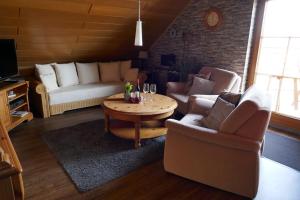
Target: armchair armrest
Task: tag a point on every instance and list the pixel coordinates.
(176, 87)
(201, 105)
(212, 136)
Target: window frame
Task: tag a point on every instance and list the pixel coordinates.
(278, 120)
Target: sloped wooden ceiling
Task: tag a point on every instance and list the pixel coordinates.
(81, 30)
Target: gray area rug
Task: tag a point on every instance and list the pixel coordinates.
(92, 157)
(282, 149)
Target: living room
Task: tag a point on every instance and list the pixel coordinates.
(148, 99)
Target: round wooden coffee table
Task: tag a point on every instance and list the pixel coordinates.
(137, 121)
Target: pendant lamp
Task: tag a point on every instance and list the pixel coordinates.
(138, 31)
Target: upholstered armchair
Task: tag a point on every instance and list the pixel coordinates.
(228, 158)
(224, 81)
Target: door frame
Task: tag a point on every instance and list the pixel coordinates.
(277, 119)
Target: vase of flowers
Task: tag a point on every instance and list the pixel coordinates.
(127, 90)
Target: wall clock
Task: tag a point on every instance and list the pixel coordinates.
(213, 18)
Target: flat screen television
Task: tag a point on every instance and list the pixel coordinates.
(8, 58)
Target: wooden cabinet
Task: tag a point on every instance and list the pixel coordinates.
(11, 181)
(18, 102)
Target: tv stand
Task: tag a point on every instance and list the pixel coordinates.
(18, 102)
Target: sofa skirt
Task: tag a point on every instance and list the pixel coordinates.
(61, 108)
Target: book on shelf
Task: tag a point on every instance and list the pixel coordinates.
(11, 96)
(19, 113)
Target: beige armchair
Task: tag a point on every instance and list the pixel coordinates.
(224, 81)
(227, 158)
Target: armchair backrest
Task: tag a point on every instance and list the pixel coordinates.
(224, 80)
(251, 117)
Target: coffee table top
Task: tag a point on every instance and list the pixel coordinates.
(151, 105)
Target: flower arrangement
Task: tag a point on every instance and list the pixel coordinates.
(127, 90)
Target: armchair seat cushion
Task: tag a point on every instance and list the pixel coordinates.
(84, 92)
(182, 101)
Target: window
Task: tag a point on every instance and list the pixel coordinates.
(278, 60)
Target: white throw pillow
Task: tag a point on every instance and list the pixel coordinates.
(218, 114)
(110, 72)
(87, 73)
(124, 66)
(131, 75)
(201, 86)
(47, 75)
(66, 74)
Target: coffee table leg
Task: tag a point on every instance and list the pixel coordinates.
(137, 139)
(106, 121)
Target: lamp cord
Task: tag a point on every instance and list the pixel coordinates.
(139, 10)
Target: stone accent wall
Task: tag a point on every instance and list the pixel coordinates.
(225, 47)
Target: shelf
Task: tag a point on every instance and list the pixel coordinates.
(16, 97)
(15, 121)
(6, 104)
(16, 108)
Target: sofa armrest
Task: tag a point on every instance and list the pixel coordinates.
(212, 136)
(175, 87)
(200, 105)
(40, 97)
(37, 87)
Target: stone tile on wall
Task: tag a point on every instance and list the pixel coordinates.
(225, 47)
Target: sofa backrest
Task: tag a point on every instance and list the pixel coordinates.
(224, 80)
(251, 117)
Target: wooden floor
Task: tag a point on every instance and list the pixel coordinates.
(45, 179)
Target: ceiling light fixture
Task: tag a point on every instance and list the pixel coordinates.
(138, 31)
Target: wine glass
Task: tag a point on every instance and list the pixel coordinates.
(153, 88)
(146, 88)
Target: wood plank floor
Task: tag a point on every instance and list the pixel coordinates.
(44, 178)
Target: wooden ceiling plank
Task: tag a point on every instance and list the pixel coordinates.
(64, 6)
(6, 11)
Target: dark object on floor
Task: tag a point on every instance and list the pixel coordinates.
(92, 157)
(282, 149)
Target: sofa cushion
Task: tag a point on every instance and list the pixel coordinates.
(182, 101)
(193, 119)
(233, 98)
(87, 73)
(224, 79)
(248, 118)
(124, 66)
(201, 86)
(219, 112)
(191, 77)
(47, 75)
(131, 75)
(66, 74)
(84, 92)
(110, 72)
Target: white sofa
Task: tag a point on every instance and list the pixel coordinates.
(59, 88)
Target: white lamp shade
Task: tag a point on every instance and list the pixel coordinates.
(138, 34)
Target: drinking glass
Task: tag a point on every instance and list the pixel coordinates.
(146, 88)
(153, 88)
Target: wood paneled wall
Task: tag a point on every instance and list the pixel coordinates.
(81, 30)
